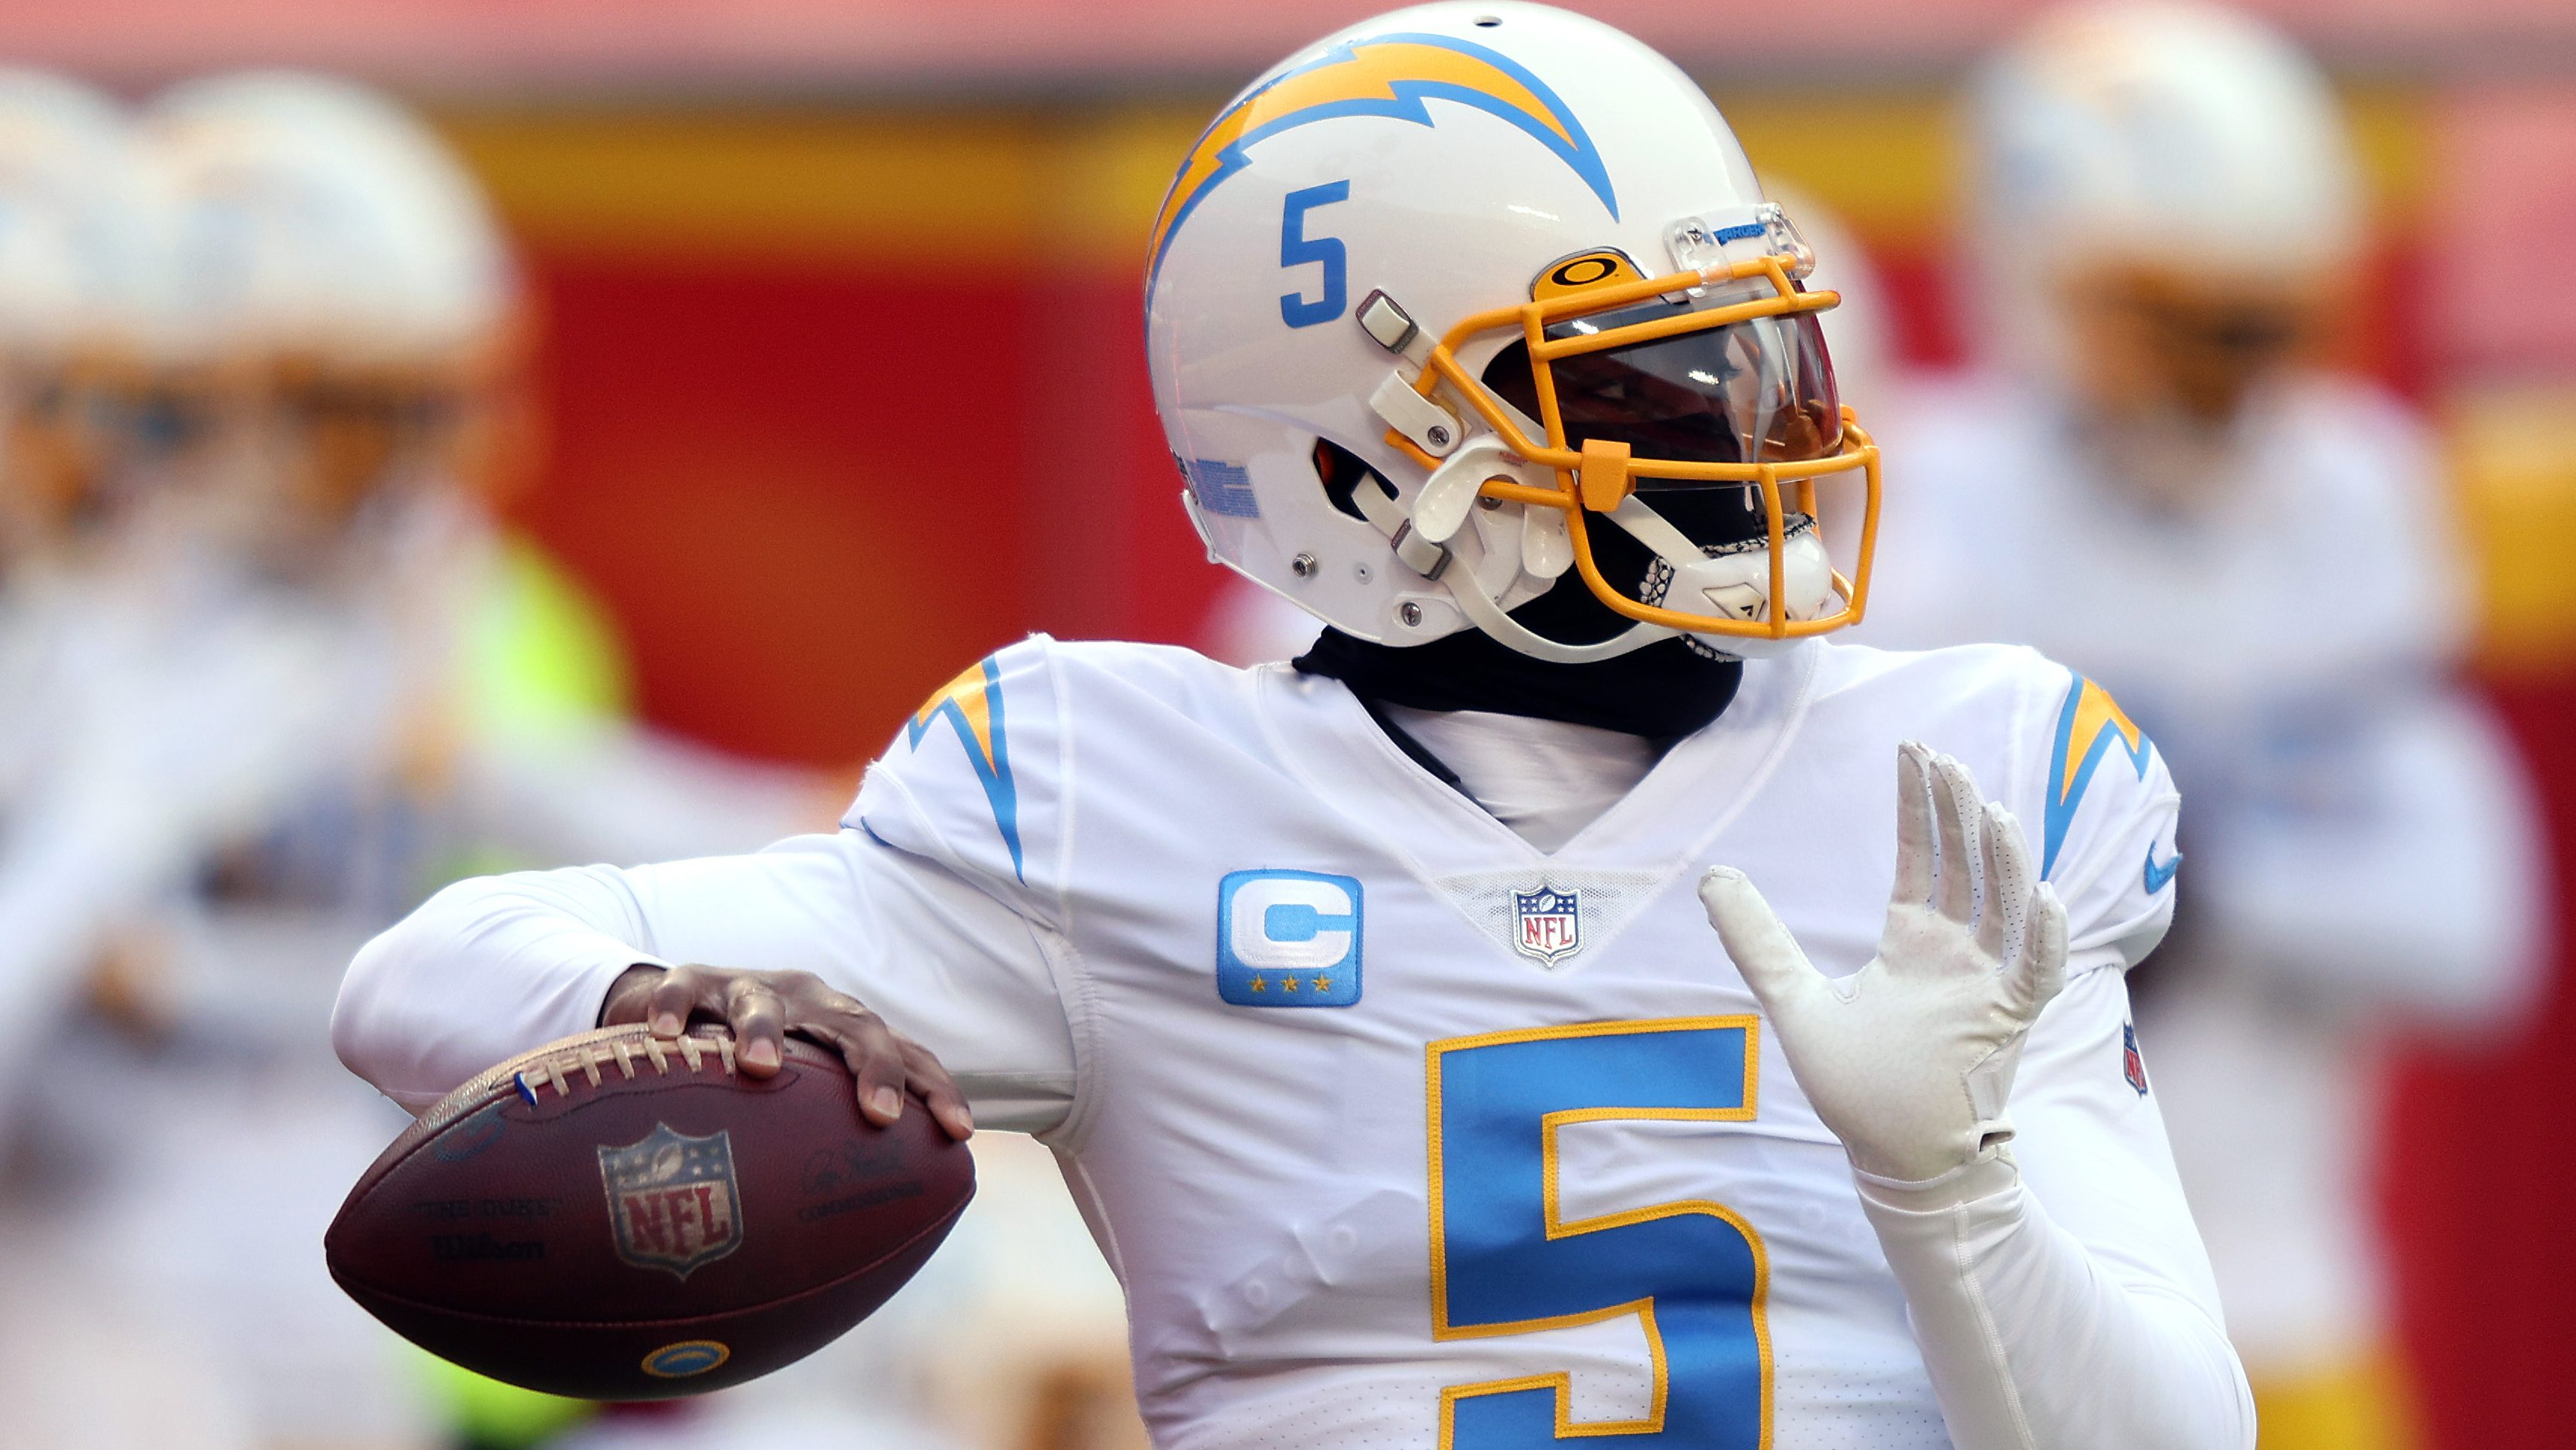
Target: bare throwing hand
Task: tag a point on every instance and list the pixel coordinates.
(763, 1007)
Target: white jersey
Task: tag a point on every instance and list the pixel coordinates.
(2362, 850)
(1396, 1129)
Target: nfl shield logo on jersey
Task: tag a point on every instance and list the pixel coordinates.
(2132, 1065)
(672, 1200)
(1547, 924)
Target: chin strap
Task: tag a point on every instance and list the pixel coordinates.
(1384, 514)
(1378, 504)
(1431, 561)
(1649, 528)
(1656, 532)
(1488, 616)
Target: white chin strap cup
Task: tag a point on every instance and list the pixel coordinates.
(1735, 583)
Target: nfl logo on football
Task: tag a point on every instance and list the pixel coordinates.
(672, 1199)
(1547, 924)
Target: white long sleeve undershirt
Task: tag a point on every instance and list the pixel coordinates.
(2043, 1322)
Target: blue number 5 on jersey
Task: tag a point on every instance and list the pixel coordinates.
(1504, 1260)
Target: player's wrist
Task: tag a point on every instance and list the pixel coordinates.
(1924, 1147)
(1991, 1173)
(627, 989)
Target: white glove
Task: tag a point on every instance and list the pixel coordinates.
(1910, 1060)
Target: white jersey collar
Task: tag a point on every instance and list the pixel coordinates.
(1328, 741)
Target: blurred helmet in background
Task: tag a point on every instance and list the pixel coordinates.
(2165, 209)
(75, 305)
(351, 310)
(1471, 304)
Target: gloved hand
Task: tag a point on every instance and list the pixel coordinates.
(1910, 1060)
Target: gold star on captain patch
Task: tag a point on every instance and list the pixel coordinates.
(1323, 984)
(1261, 984)
(1287, 984)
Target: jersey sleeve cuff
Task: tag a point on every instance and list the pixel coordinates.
(610, 973)
(1967, 1183)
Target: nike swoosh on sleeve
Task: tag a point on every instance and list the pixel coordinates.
(2158, 876)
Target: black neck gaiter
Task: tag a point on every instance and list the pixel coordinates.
(1662, 691)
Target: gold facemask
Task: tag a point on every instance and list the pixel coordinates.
(1725, 363)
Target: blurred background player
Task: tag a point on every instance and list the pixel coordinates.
(2157, 476)
(71, 323)
(336, 686)
(74, 315)
(77, 314)
(353, 686)
(363, 411)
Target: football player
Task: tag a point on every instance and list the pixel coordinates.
(75, 320)
(75, 299)
(352, 687)
(2154, 475)
(73, 323)
(84, 582)
(1371, 1004)
(364, 409)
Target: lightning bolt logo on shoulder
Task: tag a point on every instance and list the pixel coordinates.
(2089, 726)
(972, 703)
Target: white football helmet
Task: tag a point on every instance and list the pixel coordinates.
(68, 258)
(76, 305)
(317, 216)
(351, 306)
(1442, 294)
(2181, 196)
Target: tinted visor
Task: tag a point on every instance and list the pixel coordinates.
(1757, 391)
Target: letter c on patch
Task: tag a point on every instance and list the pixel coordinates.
(1288, 939)
(1295, 920)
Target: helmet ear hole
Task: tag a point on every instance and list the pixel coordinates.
(1340, 471)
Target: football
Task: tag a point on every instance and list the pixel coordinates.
(616, 1216)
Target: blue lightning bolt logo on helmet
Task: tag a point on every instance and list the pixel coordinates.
(1389, 76)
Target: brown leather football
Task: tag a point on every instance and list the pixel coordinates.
(622, 1217)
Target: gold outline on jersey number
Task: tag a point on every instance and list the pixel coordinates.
(1562, 1381)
